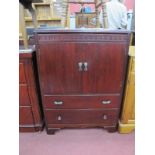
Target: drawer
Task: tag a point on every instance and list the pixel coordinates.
(24, 99)
(22, 77)
(73, 102)
(81, 116)
(25, 116)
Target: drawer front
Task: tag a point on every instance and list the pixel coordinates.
(24, 99)
(73, 102)
(25, 116)
(81, 116)
(22, 77)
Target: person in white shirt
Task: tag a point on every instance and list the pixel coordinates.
(116, 15)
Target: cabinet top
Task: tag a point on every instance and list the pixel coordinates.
(81, 30)
(31, 48)
(26, 53)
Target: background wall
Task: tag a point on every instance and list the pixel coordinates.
(129, 4)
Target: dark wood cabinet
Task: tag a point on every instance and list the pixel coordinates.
(30, 115)
(81, 76)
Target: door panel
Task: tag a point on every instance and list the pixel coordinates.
(60, 74)
(59, 68)
(105, 68)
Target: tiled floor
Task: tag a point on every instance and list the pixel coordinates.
(77, 142)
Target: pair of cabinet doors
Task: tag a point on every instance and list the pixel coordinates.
(81, 68)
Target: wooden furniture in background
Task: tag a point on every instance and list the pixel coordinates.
(97, 4)
(48, 13)
(22, 28)
(87, 20)
(30, 117)
(127, 121)
(43, 10)
(64, 13)
(105, 18)
(45, 16)
(81, 76)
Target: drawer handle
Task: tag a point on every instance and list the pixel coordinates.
(58, 102)
(59, 118)
(80, 64)
(85, 66)
(106, 102)
(105, 117)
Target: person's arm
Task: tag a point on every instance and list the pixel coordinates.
(124, 18)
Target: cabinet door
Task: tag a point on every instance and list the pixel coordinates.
(105, 70)
(59, 70)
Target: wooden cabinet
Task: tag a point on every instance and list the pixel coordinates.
(81, 77)
(30, 116)
(87, 20)
(127, 121)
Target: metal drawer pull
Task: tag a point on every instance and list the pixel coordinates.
(85, 66)
(58, 102)
(80, 66)
(59, 118)
(106, 102)
(105, 117)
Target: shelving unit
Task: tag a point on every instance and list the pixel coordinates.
(45, 15)
(43, 10)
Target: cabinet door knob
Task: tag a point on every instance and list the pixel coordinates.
(106, 102)
(59, 118)
(105, 117)
(80, 64)
(58, 102)
(85, 66)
